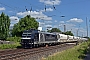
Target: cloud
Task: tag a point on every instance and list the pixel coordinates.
(81, 31)
(62, 22)
(10, 11)
(35, 14)
(48, 26)
(47, 9)
(55, 20)
(41, 23)
(14, 20)
(69, 26)
(51, 2)
(75, 20)
(48, 22)
(2, 8)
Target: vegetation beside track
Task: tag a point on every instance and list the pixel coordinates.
(15, 39)
(76, 53)
(9, 46)
(14, 45)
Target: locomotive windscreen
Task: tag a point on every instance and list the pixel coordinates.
(27, 33)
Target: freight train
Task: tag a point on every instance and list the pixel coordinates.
(34, 38)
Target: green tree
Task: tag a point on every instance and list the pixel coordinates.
(4, 26)
(54, 30)
(24, 24)
(68, 33)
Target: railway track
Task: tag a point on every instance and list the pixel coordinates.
(20, 54)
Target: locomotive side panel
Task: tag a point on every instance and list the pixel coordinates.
(50, 37)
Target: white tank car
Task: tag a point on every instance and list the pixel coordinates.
(84, 39)
(63, 38)
(70, 37)
(78, 38)
(75, 38)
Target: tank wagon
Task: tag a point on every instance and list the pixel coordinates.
(33, 38)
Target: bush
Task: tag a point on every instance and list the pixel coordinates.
(15, 39)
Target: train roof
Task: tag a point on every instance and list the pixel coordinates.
(48, 33)
(31, 30)
(37, 31)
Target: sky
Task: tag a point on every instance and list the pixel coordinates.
(51, 13)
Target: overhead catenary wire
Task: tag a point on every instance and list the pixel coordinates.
(45, 8)
(75, 2)
(54, 6)
(31, 6)
(26, 8)
(41, 8)
(9, 6)
(14, 8)
(31, 9)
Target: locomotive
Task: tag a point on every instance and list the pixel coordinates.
(33, 38)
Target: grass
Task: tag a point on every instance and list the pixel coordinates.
(76, 53)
